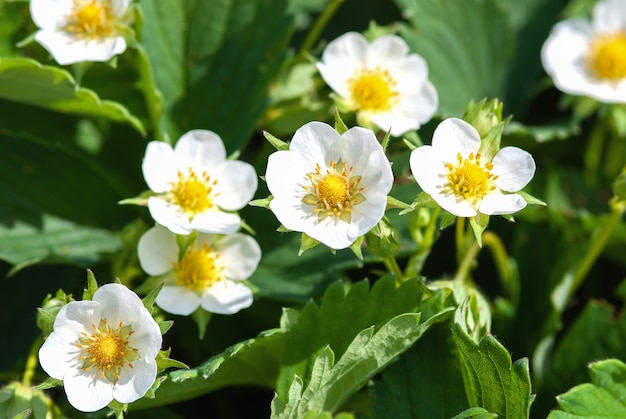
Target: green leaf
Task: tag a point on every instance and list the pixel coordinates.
(449, 32)
(56, 241)
(331, 384)
(27, 81)
(417, 385)
(209, 57)
(604, 397)
(491, 380)
(475, 413)
(343, 314)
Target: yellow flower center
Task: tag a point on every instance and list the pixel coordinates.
(192, 193)
(607, 58)
(470, 180)
(334, 192)
(107, 350)
(91, 19)
(373, 90)
(199, 268)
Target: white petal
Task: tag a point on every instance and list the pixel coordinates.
(293, 213)
(240, 255)
(118, 303)
(169, 215)
(158, 167)
(157, 250)
(78, 316)
(394, 122)
(285, 173)
(59, 354)
(453, 136)
(358, 145)
(119, 7)
(237, 183)
(514, 168)
(68, 50)
(364, 217)
(227, 297)
(385, 50)
(410, 73)
(609, 16)
(216, 222)
(454, 205)
(427, 169)
(199, 149)
(318, 143)
(134, 383)
(178, 300)
(332, 232)
(497, 204)
(340, 60)
(50, 14)
(87, 392)
(376, 178)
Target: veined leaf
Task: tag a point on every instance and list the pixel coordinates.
(603, 398)
(491, 380)
(27, 81)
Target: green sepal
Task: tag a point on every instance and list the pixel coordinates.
(385, 141)
(282, 229)
(48, 384)
(263, 202)
(340, 126)
(423, 200)
(396, 203)
(307, 242)
(479, 224)
(412, 140)
(164, 361)
(277, 143)
(531, 200)
(165, 325)
(92, 286)
(381, 240)
(202, 319)
(508, 217)
(141, 199)
(357, 248)
(24, 415)
(446, 220)
(247, 228)
(183, 242)
(484, 116)
(148, 300)
(118, 408)
(150, 394)
(49, 309)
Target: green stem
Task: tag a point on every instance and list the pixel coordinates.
(466, 264)
(31, 363)
(317, 28)
(459, 236)
(596, 247)
(394, 268)
(501, 259)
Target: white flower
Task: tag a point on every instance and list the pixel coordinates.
(381, 80)
(196, 187)
(461, 181)
(80, 30)
(588, 57)
(103, 349)
(331, 187)
(209, 275)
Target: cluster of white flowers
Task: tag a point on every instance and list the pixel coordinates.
(197, 189)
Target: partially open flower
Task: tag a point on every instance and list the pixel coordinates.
(80, 30)
(196, 187)
(588, 57)
(331, 187)
(104, 349)
(464, 183)
(209, 274)
(380, 80)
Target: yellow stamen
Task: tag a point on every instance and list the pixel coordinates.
(373, 90)
(91, 19)
(193, 193)
(199, 268)
(469, 179)
(607, 58)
